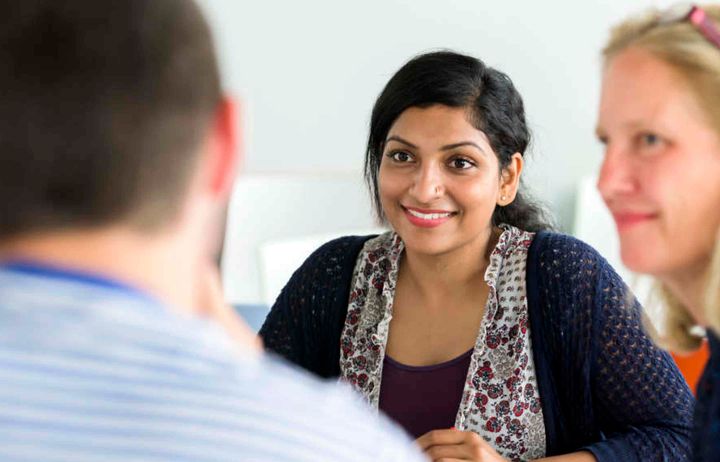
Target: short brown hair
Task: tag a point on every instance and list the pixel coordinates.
(103, 106)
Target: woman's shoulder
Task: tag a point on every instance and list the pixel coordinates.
(351, 246)
(338, 253)
(556, 258)
(551, 246)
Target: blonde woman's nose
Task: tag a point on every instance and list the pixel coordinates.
(616, 175)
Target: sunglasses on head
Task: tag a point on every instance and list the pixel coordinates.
(696, 16)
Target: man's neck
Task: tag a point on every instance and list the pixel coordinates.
(154, 263)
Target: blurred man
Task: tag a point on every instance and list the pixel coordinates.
(118, 151)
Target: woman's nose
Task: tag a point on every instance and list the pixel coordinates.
(616, 175)
(427, 185)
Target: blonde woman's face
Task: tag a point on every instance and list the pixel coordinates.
(660, 175)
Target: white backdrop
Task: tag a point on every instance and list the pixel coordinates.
(308, 73)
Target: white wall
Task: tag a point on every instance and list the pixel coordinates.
(308, 73)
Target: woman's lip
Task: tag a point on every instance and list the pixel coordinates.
(426, 211)
(626, 220)
(425, 221)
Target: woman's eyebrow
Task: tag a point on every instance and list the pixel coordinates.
(460, 144)
(444, 148)
(400, 140)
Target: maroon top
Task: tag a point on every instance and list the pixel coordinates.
(423, 398)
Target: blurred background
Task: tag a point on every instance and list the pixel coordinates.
(307, 74)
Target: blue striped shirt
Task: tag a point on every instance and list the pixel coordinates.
(93, 370)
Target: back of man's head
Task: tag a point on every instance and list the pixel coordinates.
(103, 108)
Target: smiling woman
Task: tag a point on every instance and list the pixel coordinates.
(485, 335)
(659, 120)
(428, 182)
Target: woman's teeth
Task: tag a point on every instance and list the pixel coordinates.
(429, 216)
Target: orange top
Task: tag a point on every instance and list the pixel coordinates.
(692, 365)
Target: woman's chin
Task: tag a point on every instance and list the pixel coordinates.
(428, 245)
(642, 260)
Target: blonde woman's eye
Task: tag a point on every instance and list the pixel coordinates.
(461, 164)
(650, 139)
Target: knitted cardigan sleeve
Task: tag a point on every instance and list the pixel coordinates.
(618, 395)
(706, 435)
(306, 320)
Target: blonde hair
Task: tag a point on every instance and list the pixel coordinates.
(683, 47)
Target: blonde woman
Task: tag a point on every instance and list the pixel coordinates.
(660, 122)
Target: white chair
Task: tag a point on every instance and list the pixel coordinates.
(274, 210)
(279, 259)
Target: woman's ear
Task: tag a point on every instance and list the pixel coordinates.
(510, 180)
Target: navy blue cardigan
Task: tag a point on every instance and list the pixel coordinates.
(604, 386)
(706, 437)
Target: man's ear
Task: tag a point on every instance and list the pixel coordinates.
(225, 149)
(510, 180)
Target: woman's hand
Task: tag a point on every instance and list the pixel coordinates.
(454, 445)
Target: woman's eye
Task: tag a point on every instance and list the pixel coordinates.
(401, 156)
(461, 164)
(650, 139)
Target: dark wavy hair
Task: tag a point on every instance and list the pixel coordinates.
(495, 107)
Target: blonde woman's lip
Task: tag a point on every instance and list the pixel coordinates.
(627, 220)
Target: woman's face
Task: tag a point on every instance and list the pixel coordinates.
(439, 180)
(660, 177)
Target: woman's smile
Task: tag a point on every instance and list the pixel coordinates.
(427, 218)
